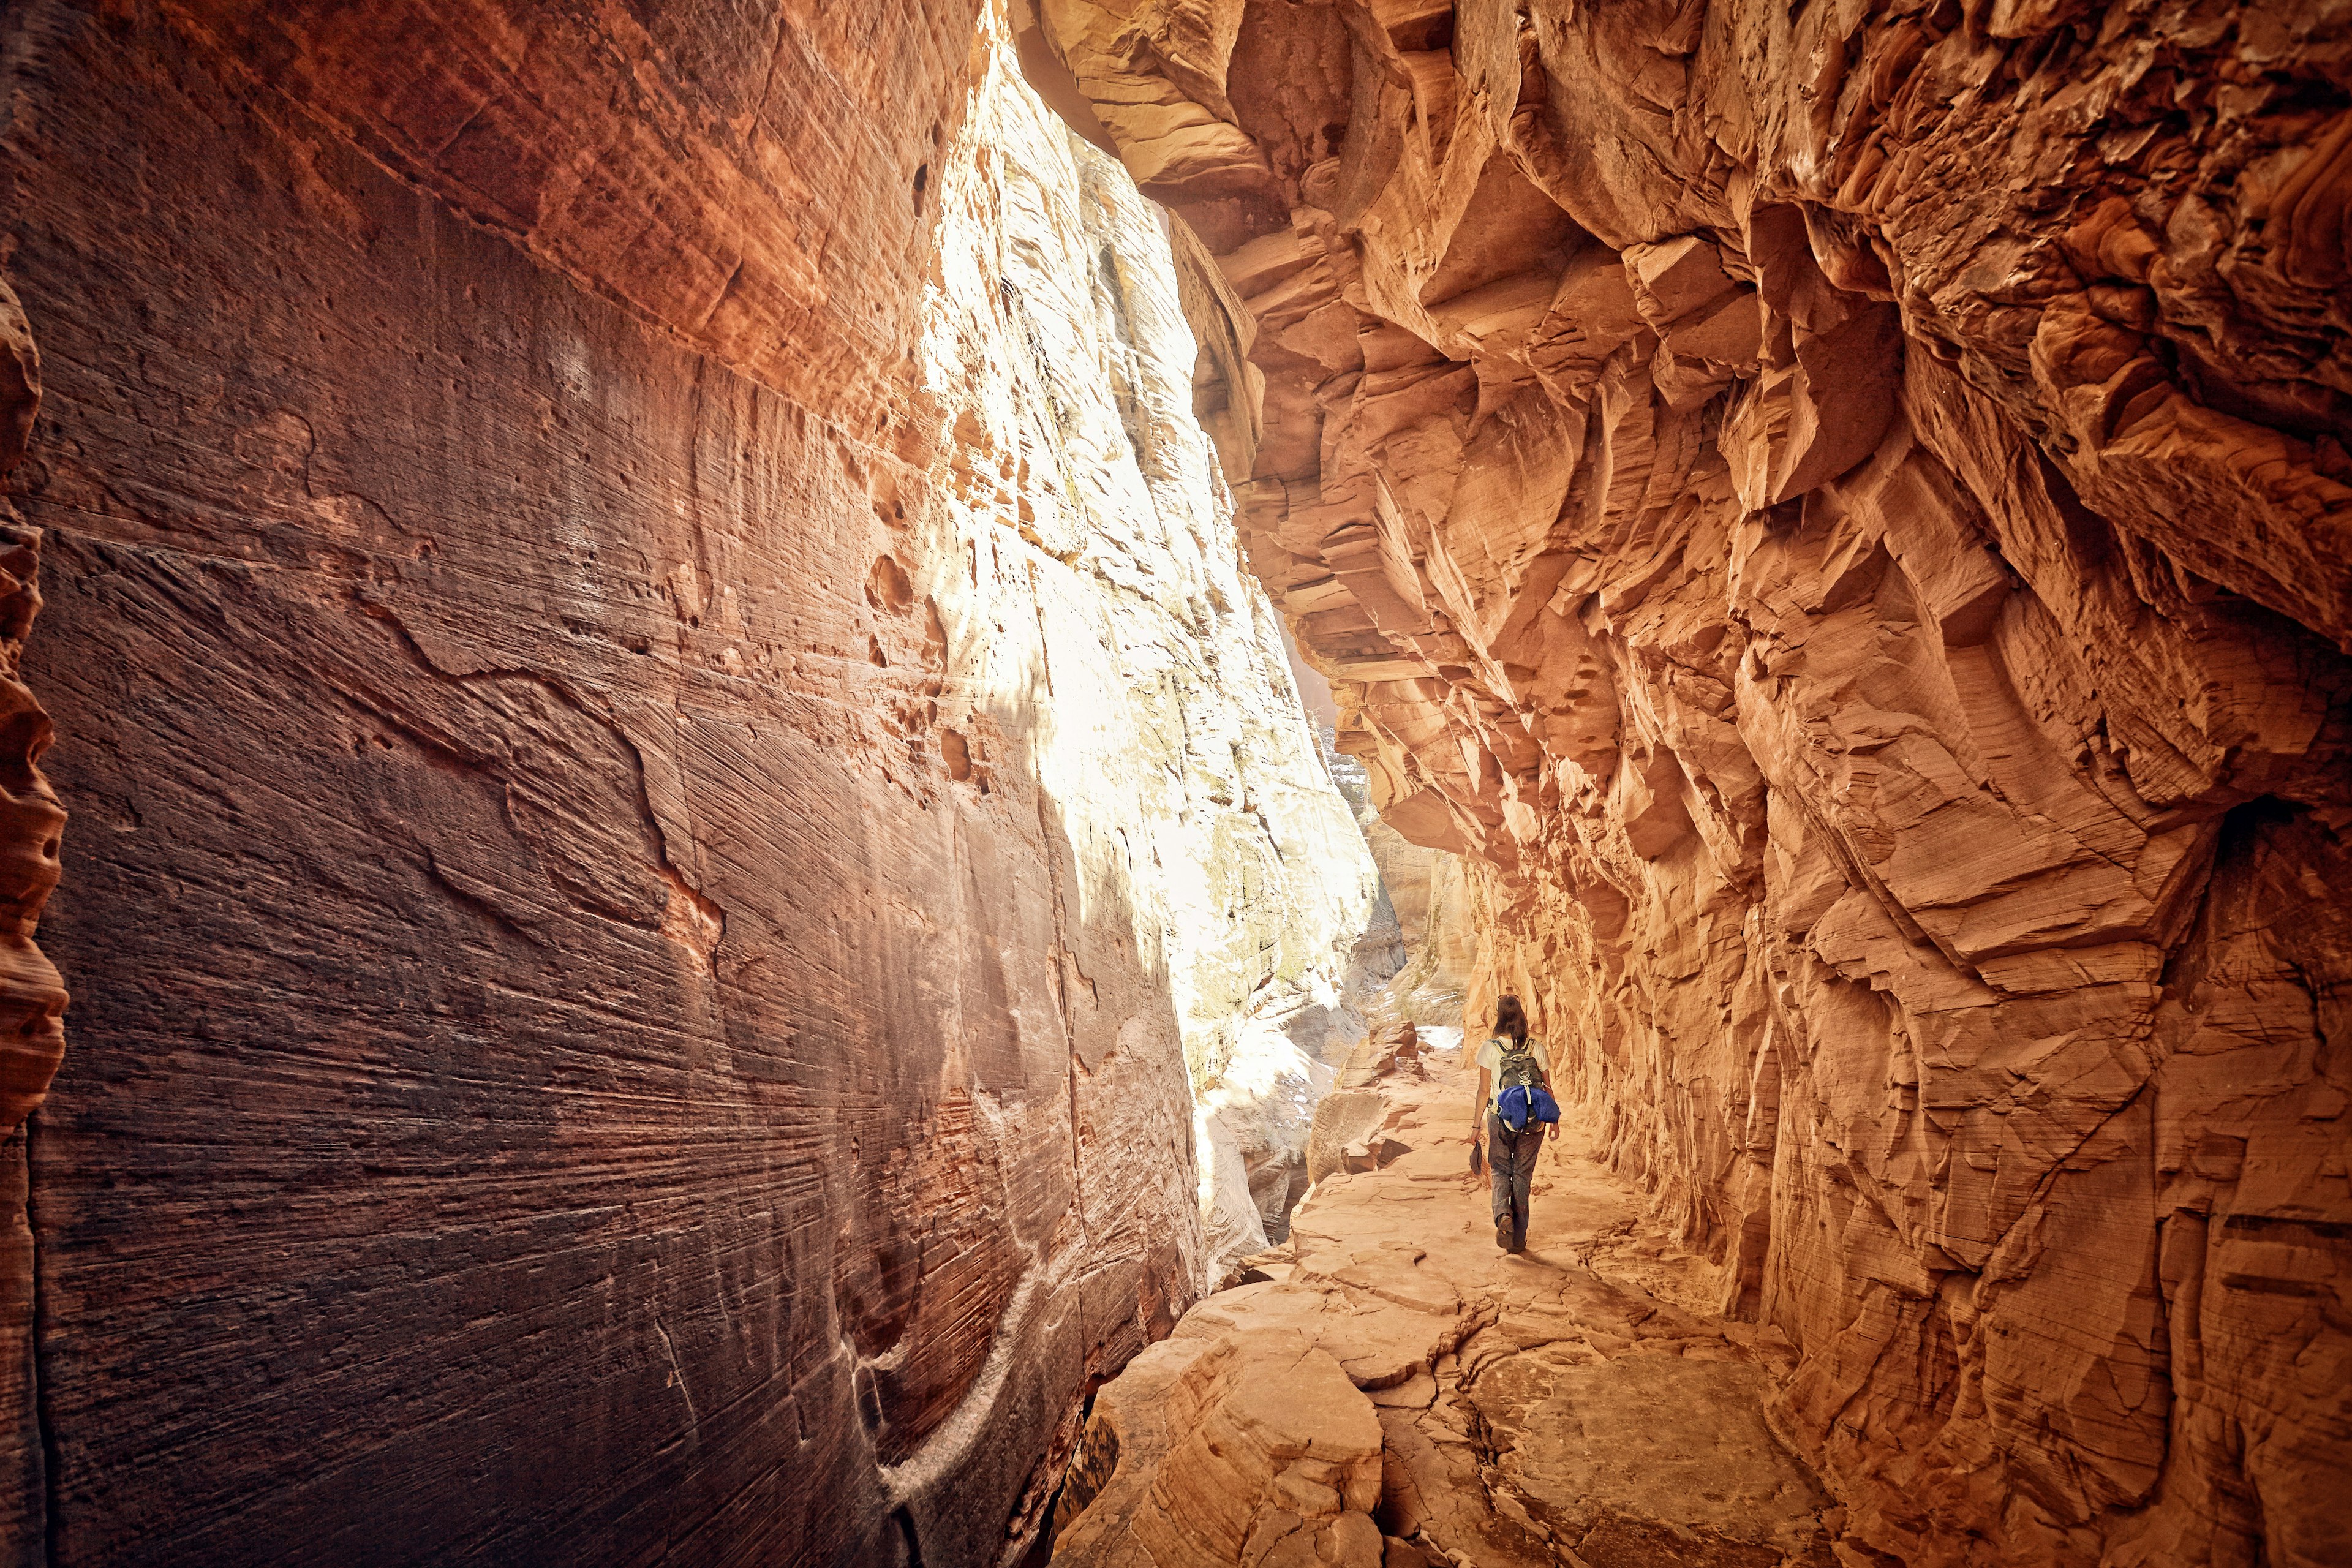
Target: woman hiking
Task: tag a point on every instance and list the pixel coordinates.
(1509, 1059)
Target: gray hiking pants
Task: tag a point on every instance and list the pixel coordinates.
(1511, 1161)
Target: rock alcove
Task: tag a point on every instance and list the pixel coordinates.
(701, 914)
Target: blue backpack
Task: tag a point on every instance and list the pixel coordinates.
(1523, 1094)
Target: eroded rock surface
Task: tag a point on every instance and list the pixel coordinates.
(32, 994)
(1559, 1407)
(1843, 512)
(1433, 894)
(1252, 1447)
(672, 754)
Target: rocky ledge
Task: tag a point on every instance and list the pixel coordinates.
(1398, 1392)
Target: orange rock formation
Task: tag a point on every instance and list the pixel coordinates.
(1844, 511)
(625, 1008)
(1571, 1405)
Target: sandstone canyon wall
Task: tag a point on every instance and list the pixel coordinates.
(1435, 895)
(1842, 509)
(670, 761)
(1058, 322)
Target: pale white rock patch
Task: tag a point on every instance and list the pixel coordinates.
(1096, 612)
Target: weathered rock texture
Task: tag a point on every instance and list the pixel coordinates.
(1433, 896)
(32, 996)
(1235, 1448)
(1560, 1407)
(670, 749)
(1172, 710)
(1842, 510)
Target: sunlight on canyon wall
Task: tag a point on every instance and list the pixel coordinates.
(1164, 716)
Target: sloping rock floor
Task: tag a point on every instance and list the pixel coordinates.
(1395, 1391)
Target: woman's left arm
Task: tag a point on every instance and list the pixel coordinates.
(1552, 1128)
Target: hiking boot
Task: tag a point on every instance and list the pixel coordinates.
(1503, 1234)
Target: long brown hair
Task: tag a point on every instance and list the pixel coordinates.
(1511, 1019)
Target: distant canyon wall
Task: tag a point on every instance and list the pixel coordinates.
(674, 776)
(1843, 511)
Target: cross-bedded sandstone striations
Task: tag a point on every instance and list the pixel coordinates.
(673, 748)
(1844, 511)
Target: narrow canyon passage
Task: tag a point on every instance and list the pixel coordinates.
(758, 758)
(1395, 1390)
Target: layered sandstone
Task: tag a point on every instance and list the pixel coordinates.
(1431, 893)
(1843, 511)
(1572, 1404)
(1238, 1448)
(672, 759)
(1168, 713)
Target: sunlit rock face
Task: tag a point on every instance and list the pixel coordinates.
(1842, 512)
(1169, 721)
(671, 762)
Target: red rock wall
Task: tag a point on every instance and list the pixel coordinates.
(32, 994)
(1843, 509)
(568, 1062)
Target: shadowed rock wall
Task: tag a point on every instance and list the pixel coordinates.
(634, 712)
(1842, 510)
